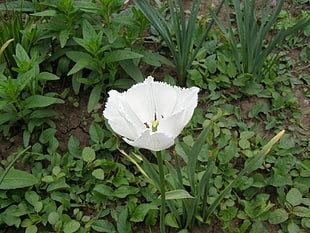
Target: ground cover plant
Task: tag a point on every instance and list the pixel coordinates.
(241, 164)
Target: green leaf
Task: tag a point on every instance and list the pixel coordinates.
(211, 63)
(293, 228)
(125, 190)
(171, 221)
(123, 226)
(5, 117)
(301, 211)
(104, 190)
(258, 108)
(251, 88)
(47, 76)
(278, 216)
(46, 13)
(58, 185)
(77, 55)
(178, 194)
(103, 226)
(88, 154)
(63, 37)
(17, 179)
(228, 214)
(31, 229)
(43, 113)
(96, 133)
(47, 135)
(71, 226)
(119, 55)
(132, 70)
(34, 199)
(294, 197)
(81, 64)
(53, 218)
(98, 174)
(38, 101)
(94, 98)
(141, 211)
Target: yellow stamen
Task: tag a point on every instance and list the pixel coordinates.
(155, 124)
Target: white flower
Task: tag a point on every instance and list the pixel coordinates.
(151, 114)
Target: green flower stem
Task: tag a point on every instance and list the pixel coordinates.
(162, 190)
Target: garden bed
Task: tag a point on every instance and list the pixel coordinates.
(81, 180)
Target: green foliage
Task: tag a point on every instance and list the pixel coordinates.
(98, 45)
(21, 99)
(252, 52)
(15, 30)
(178, 33)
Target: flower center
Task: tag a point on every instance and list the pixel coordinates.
(155, 124)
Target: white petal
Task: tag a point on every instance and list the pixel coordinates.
(138, 98)
(172, 125)
(154, 141)
(119, 119)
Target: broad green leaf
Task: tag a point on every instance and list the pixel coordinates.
(81, 64)
(228, 214)
(294, 197)
(258, 108)
(98, 174)
(278, 216)
(58, 185)
(34, 199)
(94, 98)
(141, 211)
(63, 37)
(31, 229)
(46, 13)
(38, 101)
(119, 55)
(104, 190)
(47, 135)
(21, 56)
(77, 55)
(96, 133)
(132, 70)
(211, 63)
(301, 211)
(125, 190)
(88, 154)
(71, 226)
(42, 113)
(123, 226)
(103, 226)
(171, 221)
(5, 117)
(47, 76)
(251, 88)
(293, 228)
(18, 179)
(53, 218)
(177, 194)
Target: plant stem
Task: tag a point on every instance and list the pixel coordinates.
(162, 190)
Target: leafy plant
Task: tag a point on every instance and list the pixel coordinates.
(178, 33)
(252, 47)
(22, 98)
(14, 30)
(186, 207)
